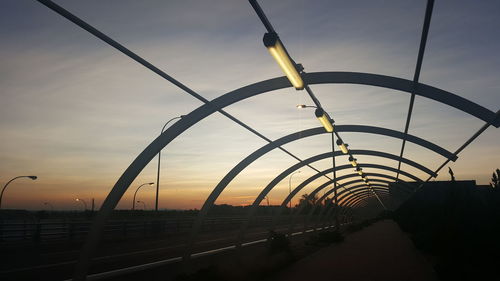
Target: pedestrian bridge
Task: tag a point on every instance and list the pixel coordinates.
(356, 189)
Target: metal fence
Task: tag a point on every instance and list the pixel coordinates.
(12, 231)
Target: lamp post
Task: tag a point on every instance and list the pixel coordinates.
(290, 186)
(135, 193)
(50, 205)
(143, 204)
(159, 159)
(5, 186)
(83, 201)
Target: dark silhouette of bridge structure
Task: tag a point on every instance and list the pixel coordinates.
(350, 191)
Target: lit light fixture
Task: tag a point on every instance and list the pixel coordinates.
(353, 161)
(325, 120)
(305, 106)
(273, 44)
(359, 170)
(343, 146)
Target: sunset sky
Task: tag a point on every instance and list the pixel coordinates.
(75, 112)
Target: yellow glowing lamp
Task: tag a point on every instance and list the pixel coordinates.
(353, 161)
(273, 44)
(359, 170)
(324, 119)
(342, 146)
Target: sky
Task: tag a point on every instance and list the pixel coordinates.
(76, 112)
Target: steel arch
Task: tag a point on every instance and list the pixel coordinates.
(312, 178)
(355, 152)
(360, 189)
(358, 198)
(268, 188)
(351, 190)
(203, 111)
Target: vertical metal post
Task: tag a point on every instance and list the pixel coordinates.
(335, 183)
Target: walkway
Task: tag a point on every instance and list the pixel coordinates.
(379, 252)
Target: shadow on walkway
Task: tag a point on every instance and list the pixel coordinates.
(379, 252)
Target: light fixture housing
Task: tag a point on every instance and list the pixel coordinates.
(274, 46)
(353, 161)
(324, 119)
(343, 146)
(359, 170)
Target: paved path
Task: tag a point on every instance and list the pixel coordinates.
(379, 252)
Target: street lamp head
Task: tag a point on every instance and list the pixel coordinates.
(305, 106)
(33, 177)
(151, 183)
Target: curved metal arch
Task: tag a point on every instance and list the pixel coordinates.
(311, 179)
(275, 181)
(404, 85)
(401, 183)
(346, 189)
(345, 185)
(326, 194)
(314, 177)
(232, 97)
(372, 180)
(349, 204)
(342, 167)
(344, 197)
(358, 198)
(318, 157)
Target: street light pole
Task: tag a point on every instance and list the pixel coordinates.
(135, 193)
(159, 159)
(290, 186)
(83, 201)
(5, 186)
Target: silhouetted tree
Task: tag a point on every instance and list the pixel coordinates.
(450, 171)
(495, 179)
(307, 201)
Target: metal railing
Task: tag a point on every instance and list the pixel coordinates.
(46, 231)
